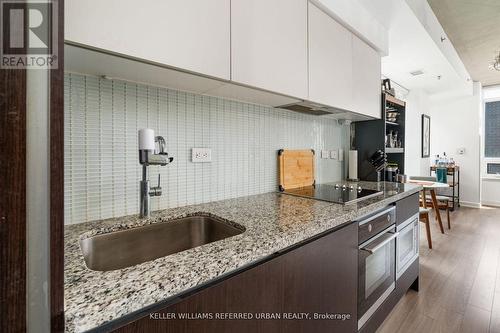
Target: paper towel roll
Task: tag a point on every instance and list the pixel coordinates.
(146, 139)
(353, 164)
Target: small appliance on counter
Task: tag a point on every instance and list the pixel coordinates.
(296, 173)
(391, 172)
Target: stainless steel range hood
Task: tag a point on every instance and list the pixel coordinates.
(311, 108)
(316, 109)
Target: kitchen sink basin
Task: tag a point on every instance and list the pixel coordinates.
(125, 248)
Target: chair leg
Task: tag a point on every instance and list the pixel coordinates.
(428, 230)
(448, 216)
(436, 210)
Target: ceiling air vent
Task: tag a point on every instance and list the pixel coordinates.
(416, 73)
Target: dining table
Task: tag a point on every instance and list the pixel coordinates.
(431, 186)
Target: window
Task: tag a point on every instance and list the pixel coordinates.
(493, 168)
(492, 129)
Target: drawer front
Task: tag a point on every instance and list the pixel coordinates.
(406, 208)
(375, 223)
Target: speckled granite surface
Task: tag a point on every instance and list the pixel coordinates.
(273, 222)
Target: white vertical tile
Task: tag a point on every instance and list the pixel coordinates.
(102, 170)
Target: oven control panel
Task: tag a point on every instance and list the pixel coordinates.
(373, 224)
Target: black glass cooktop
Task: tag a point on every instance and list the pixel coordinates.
(338, 193)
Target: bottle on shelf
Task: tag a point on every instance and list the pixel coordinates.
(445, 159)
(436, 160)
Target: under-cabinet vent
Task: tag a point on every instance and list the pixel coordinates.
(417, 72)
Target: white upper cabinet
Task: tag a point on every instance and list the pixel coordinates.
(269, 45)
(344, 71)
(286, 48)
(366, 79)
(330, 61)
(190, 34)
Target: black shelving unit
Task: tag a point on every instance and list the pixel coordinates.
(370, 136)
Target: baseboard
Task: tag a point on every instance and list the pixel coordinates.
(470, 204)
(491, 203)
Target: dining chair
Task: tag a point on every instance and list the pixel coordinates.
(443, 202)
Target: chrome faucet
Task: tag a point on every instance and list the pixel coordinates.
(149, 157)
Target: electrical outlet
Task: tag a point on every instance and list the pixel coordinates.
(325, 154)
(341, 155)
(461, 151)
(334, 154)
(201, 155)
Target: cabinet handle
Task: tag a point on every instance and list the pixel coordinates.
(381, 244)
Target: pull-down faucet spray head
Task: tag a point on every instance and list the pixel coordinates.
(151, 152)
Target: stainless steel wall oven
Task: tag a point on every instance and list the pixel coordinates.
(376, 261)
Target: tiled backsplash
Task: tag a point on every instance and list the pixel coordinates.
(102, 171)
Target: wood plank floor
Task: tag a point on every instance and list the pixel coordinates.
(459, 278)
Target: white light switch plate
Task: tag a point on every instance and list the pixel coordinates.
(325, 154)
(334, 154)
(341, 155)
(201, 155)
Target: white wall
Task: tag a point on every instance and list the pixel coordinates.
(455, 123)
(490, 192)
(102, 171)
(417, 103)
(491, 92)
(490, 189)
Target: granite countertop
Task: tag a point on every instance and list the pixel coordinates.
(273, 222)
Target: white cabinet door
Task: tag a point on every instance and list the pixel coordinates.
(366, 79)
(330, 61)
(188, 34)
(269, 45)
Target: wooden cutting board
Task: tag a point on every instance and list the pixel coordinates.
(296, 168)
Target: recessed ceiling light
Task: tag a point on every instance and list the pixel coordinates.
(417, 72)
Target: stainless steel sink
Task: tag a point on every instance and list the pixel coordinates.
(130, 247)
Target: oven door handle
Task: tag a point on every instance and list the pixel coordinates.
(381, 244)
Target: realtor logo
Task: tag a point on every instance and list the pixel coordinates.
(28, 34)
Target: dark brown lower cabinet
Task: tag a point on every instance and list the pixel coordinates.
(406, 208)
(318, 277)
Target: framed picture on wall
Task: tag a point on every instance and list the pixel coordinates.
(426, 136)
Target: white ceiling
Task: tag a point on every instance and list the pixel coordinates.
(473, 27)
(411, 48)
